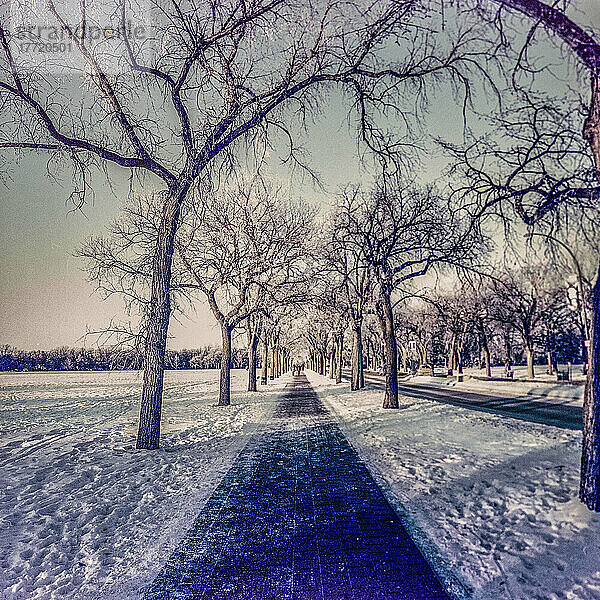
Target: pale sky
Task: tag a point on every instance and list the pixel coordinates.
(45, 300)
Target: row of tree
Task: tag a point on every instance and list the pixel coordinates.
(106, 359)
(529, 315)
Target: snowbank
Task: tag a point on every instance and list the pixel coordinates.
(520, 372)
(83, 514)
(491, 500)
(565, 393)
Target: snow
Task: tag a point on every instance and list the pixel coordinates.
(520, 372)
(492, 501)
(83, 514)
(565, 393)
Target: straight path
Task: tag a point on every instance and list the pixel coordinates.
(298, 516)
(549, 411)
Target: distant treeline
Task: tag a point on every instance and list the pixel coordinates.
(106, 359)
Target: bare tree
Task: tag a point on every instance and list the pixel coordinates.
(318, 335)
(332, 303)
(402, 232)
(577, 266)
(346, 270)
(580, 186)
(518, 306)
(527, 300)
(482, 319)
(275, 323)
(468, 312)
(244, 250)
(457, 324)
(539, 194)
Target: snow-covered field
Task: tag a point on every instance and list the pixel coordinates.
(491, 500)
(82, 513)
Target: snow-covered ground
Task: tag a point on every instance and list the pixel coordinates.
(82, 513)
(563, 393)
(520, 372)
(491, 500)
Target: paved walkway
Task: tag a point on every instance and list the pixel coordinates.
(298, 516)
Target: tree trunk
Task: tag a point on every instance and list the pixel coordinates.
(488, 362)
(339, 358)
(357, 380)
(332, 363)
(451, 355)
(279, 361)
(391, 354)
(589, 489)
(225, 381)
(584, 353)
(273, 361)
(252, 347)
(158, 322)
(486, 352)
(550, 363)
(508, 351)
(265, 363)
(530, 369)
(423, 353)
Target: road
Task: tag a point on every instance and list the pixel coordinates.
(549, 411)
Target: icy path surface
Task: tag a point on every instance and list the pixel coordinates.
(83, 514)
(490, 499)
(297, 517)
